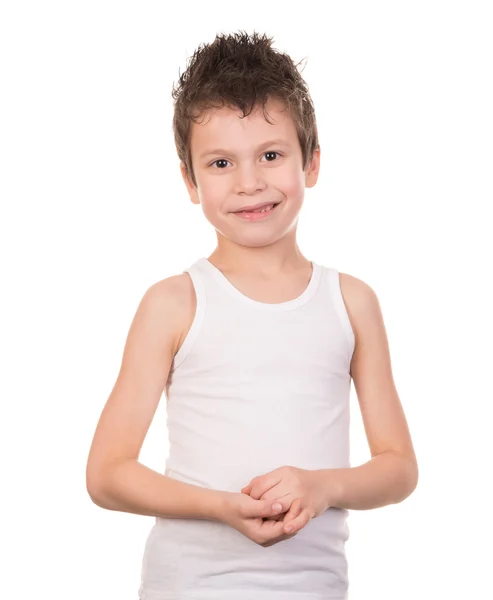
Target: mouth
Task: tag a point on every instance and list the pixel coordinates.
(259, 213)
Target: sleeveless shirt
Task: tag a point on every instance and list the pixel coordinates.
(253, 387)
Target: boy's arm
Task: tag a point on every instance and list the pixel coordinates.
(114, 478)
(130, 486)
(392, 473)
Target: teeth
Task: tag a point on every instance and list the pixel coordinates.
(266, 208)
(259, 210)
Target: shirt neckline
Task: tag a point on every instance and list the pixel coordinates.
(308, 292)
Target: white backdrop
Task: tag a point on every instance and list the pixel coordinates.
(94, 211)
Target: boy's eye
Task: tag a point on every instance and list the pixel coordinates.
(223, 160)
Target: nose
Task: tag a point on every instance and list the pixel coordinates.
(249, 180)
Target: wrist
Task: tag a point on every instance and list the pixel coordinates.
(220, 505)
(331, 484)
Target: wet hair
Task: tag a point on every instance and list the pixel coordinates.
(242, 71)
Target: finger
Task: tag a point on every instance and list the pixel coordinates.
(259, 486)
(297, 523)
(264, 508)
(294, 510)
(279, 517)
(287, 505)
(272, 529)
(273, 508)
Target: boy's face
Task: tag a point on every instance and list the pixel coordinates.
(235, 166)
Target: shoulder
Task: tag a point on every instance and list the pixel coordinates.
(170, 293)
(174, 290)
(172, 303)
(167, 306)
(361, 302)
(355, 290)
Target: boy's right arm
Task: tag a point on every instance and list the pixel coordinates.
(114, 478)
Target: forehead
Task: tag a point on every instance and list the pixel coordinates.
(227, 128)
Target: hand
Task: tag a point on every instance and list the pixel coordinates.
(301, 489)
(254, 518)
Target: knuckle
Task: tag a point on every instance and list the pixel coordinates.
(254, 492)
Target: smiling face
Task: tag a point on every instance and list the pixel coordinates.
(246, 161)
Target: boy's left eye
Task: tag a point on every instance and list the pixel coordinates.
(265, 153)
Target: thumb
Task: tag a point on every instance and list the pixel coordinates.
(264, 508)
(269, 508)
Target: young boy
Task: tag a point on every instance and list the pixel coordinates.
(255, 347)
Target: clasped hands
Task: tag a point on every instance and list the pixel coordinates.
(300, 493)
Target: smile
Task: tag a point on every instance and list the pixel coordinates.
(256, 215)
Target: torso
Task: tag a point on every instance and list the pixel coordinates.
(238, 364)
(186, 296)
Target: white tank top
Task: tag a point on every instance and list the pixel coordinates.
(255, 386)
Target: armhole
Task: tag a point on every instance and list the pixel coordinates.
(340, 307)
(193, 332)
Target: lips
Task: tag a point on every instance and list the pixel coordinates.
(257, 215)
(256, 207)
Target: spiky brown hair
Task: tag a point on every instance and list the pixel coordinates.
(242, 71)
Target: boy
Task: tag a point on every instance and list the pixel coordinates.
(255, 348)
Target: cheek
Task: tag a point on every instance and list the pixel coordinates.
(213, 201)
(290, 182)
(215, 189)
(294, 188)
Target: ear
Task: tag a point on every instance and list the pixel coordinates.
(192, 190)
(313, 168)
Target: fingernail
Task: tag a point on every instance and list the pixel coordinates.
(276, 506)
(289, 529)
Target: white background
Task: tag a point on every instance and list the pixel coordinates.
(94, 211)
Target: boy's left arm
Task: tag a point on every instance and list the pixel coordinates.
(391, 475)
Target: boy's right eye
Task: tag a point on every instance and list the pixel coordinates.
(218, 160)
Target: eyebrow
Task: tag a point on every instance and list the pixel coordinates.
(277, 142)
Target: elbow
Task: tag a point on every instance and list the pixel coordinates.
(409, 479)
(413, 471)
(93, 490)
(94, 486)
(100, 481)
